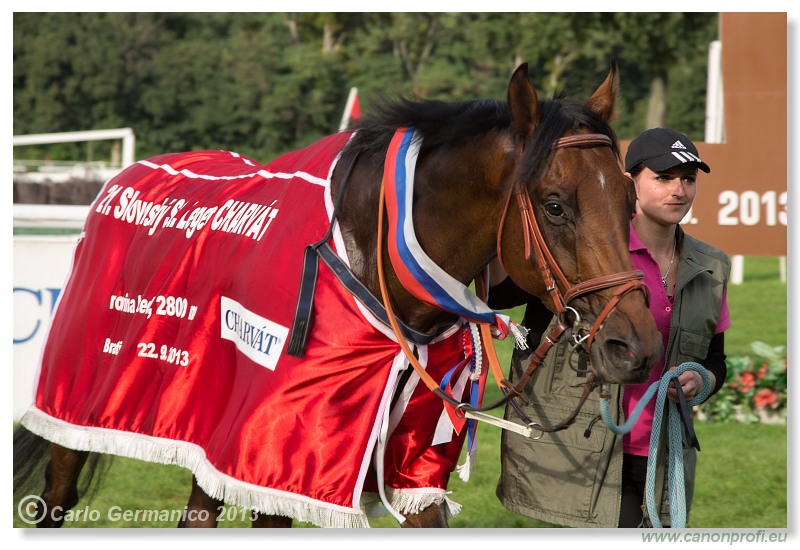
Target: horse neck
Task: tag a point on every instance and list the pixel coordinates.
(457, 209)
(456, 213)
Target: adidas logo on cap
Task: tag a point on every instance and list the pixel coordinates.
(686, 157)
(652, 148)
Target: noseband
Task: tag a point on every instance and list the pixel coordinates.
(628, 281)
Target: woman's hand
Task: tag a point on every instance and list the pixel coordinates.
(691, 384)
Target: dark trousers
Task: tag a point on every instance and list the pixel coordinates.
(634, 477)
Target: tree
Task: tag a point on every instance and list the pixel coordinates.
(265, 83)
(657, 42)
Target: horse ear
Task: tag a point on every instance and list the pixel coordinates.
(603, 99)
(523, 102)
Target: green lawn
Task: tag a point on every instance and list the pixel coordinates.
(741, 483)
(758, 307)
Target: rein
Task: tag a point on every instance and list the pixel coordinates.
(583, 335)
(412, 359)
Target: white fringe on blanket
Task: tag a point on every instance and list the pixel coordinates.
(223, 487)
(409, 501)
(187, 455)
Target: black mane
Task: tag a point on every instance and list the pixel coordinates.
(559, 117)
(438, 122)
(441, 123)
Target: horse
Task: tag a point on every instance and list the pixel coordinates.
(535, 184)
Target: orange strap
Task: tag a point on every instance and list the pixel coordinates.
(485, 328)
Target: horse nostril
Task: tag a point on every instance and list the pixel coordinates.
(621, 354)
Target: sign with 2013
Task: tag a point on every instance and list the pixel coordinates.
(752, 208)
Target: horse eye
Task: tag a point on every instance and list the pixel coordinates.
(554, 209)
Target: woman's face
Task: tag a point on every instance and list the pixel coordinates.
(665, 197)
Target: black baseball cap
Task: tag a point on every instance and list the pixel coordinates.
(662, 148)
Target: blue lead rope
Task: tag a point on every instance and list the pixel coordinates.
(677, 486)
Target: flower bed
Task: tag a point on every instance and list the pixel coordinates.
(754, 390)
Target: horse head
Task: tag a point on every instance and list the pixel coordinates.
(560, 158)
(569, 246)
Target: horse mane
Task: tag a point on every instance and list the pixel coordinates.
(438, 122)
(442, 123)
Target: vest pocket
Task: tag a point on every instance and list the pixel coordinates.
(694, 344)
(556, 473)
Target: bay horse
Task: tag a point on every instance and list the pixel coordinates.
(533, 183)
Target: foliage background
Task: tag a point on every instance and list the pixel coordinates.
(263, 84)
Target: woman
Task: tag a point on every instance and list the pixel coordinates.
(597, 478)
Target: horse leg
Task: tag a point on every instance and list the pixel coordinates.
(434, 515)
(202, 510)
(262, 521)
(61, 485)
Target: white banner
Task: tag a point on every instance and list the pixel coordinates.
(41, 265)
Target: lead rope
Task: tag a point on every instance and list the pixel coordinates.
(675, 473)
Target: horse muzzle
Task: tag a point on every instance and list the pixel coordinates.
(623, 352)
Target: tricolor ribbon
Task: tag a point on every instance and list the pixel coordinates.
(417, 272)
(426, 281)
(472, 370)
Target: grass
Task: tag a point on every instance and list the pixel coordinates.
(741, 483)
(742, 469)
(758, 307)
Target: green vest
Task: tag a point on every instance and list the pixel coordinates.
(570, 479)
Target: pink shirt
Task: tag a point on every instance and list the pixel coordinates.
(637, 442)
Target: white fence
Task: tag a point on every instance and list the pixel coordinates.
(125, 134)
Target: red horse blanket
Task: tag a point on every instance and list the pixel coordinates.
(168, 344)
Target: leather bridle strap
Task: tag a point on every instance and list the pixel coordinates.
(549, 270)
(618, 295)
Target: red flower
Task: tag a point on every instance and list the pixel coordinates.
(765, 397)
(748, 381)
(762, 371)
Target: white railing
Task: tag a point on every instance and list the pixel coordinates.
(125, 134)
(50, 216)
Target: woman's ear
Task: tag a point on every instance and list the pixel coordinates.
(634, 186)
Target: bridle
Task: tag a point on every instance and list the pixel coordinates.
(558, 286)
(627, 281)
(582, 334)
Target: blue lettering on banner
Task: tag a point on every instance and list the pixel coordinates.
(38, 295)
(258, 338)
